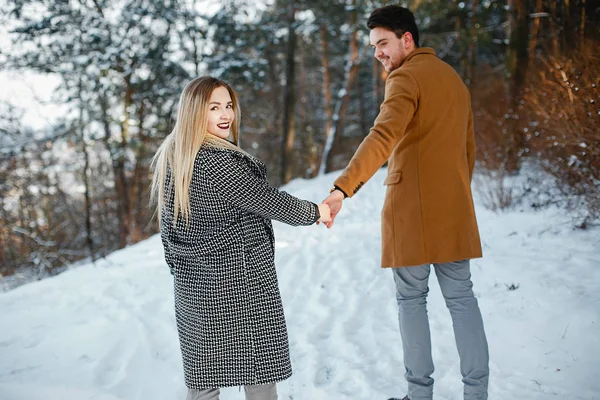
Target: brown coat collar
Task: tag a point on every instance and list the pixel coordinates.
(417, 52)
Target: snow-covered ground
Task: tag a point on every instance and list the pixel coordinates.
(107, 331)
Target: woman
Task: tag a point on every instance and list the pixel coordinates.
(215, 209)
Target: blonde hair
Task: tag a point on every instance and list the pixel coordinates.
(178, 151)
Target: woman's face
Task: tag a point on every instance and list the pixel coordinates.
(220, 113)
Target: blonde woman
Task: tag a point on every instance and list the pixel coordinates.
(215, 209)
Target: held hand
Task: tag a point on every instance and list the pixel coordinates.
(325, 212)
(334, 200)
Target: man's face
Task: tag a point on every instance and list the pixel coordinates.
(390, 50)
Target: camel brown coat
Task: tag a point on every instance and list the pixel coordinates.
(425, 131)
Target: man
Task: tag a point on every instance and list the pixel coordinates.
(425, 131)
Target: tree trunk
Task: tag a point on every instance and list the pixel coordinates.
(326, 78)
(88, 203)
(118, 169)
(289, 99)
(310, 161)
(553, 29)
(582, 24)
(327, 104)
(5, 243)
(140, 181)
(197, 56)
(362, 111)
(472, 57)
(458, 27)
(535, 27)
(516, 60)
(86, 183)
(336, 135)
(123, 191)
(379, 77)
(22, 223)
(567, 26)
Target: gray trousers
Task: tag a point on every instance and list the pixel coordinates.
(258, 392)
(411, 293)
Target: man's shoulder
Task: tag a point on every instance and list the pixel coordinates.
(420, 64)
(414, 68)
(402, 80)
(402, 75)
(427, 67)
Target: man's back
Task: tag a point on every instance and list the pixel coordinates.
(438, 133)
(432, 215)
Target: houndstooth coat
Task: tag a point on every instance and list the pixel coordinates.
(228, 308)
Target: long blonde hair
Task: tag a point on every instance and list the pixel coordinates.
(178, 151)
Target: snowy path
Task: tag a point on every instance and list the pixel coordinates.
(107, 332)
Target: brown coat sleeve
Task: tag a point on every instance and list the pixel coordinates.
(397, 110)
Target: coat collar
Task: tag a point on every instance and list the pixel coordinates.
(238, 153)
(417, 52)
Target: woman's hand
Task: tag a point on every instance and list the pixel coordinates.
(325, 212)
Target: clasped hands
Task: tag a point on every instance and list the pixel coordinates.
(330, 207)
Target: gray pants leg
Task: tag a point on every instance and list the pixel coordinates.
(411, 293)
(253, 392)
(455, 282)
(202, 394)
(261, 392)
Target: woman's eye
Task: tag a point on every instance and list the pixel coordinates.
(214, 108)
(229, 106)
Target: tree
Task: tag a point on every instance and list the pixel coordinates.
(334, 137)
(289, 98)
(122, 69)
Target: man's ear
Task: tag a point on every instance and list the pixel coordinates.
(407, 39)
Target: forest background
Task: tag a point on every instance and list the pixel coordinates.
(310, 89)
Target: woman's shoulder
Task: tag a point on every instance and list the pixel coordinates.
(209, 155)
(212, 156)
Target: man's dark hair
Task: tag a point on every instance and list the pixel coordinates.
(395, 18)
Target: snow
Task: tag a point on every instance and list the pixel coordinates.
(107, 331)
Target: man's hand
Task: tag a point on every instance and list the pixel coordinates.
(334, 201)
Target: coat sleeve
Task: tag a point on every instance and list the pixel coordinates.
(397, 110)
(233, 180)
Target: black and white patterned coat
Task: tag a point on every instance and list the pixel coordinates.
(229, 313)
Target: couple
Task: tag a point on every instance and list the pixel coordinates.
(216, 207)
